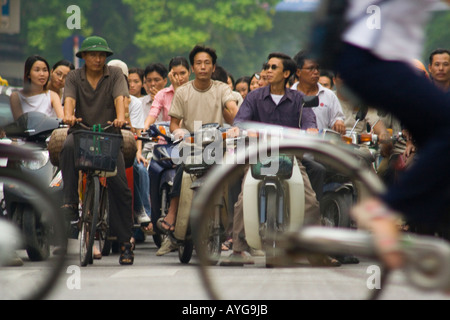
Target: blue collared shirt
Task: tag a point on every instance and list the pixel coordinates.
(259, 106)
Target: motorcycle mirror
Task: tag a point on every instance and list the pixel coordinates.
(361, 115)
(310, 101)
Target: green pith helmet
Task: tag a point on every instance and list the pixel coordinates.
(94, 43)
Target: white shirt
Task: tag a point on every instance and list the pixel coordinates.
(136, 113)
(393, 30)
(146, 104)
(276, 98)
(329, 109)
(40, 103)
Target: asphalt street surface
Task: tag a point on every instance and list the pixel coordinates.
(165, 278)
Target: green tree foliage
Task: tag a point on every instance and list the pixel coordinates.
(140, 32)
(169, 28)
(438, 34)
(44, 25)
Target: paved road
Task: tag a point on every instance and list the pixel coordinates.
(165, 278)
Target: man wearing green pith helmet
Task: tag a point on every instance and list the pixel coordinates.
(94, 94)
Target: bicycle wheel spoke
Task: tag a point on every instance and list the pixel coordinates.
(89, 220)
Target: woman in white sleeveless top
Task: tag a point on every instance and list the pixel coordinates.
(34, 96)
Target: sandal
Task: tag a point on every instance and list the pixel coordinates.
(126, 254)
(148, 230)
(133, 243)
(321, 260)
(227, 245)
(96, 254)
(347, 259)
(161, 222)
(237, 259)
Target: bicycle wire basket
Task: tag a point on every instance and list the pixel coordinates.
(96, 150)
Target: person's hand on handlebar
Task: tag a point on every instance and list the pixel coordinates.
(119, 123)
(71, 120)
(339, 126)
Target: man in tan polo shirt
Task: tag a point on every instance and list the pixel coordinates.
(201, 99)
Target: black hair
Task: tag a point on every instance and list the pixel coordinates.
(244, 79)
(288, 63)
(178, 61)
(200, 48)
(157, 67)
(65, 63)
(141, 75)
(220, 74)
(438, 51)
(300, 58)
(232, 80)
(329, 75)
(29, 64)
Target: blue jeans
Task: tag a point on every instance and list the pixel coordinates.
(422, 193)
(141, 188)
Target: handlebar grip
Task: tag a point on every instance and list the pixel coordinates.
(427, 259)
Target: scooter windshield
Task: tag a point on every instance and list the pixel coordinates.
(31, 124)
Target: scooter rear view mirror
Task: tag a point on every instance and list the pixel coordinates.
(310, 101)
(361, 115)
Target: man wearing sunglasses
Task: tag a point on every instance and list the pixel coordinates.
(275, 104)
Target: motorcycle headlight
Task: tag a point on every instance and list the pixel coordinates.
(40, 161)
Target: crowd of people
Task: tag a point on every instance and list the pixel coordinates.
(197, 88)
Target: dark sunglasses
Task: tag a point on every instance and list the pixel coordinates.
(311, 69)
(273, 67)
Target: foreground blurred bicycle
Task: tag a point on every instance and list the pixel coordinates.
(24, 282)
(427, 259)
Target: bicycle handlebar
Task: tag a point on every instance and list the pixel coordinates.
(427, 258)
(101, 126)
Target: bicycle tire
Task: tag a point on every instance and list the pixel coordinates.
(186, 248)
(46, 201)
(38, 246)
(89, 219)
(215, 236)
(271, 227)
(335, 209)
(103, 231)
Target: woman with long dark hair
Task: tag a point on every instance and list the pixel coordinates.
(35, 96)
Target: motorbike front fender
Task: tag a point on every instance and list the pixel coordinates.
(184, 207)
(250, 207)
(296, 204)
